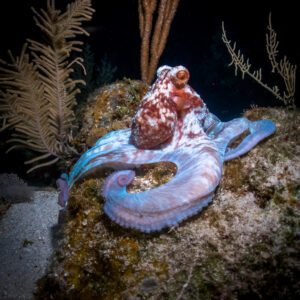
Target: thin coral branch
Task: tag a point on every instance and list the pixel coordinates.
(166, 14)
(284, 68)
(146, 10)
(48, 163)
(153, 40)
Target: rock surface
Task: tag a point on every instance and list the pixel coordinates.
(245, 245)
(109, 108)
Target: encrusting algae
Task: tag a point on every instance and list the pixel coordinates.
(110, 108)
(245, 244)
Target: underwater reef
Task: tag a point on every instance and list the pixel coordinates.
(244, 245)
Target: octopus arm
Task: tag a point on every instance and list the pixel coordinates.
(191, 189)
(225, 133)
(258, 131)
(111, 151)
(122, 157)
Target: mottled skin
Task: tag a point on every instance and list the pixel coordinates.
(172, 124)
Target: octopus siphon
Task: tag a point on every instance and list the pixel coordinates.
(172, 124)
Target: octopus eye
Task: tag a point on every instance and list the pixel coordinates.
(180, 76)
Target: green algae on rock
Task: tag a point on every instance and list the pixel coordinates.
(244, 245)
(110, 108)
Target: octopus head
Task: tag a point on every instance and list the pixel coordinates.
(167, 101)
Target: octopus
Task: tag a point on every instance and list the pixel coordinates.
(172, 124)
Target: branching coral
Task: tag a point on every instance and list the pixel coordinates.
(37, 92)
(283, 68)
(153, 40)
